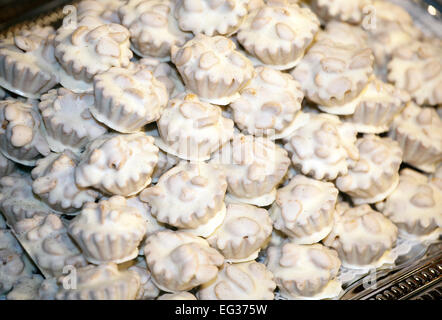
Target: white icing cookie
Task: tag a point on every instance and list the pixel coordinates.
(21, 134)
(68, 121)
(212, 68)
(108, 231)
(375, 175)
(322, 147)
(244, 231)
(118, 164)
(361, 236)
(268, 105)
(304, 209)
(180, 261)
(128, 98)
(277, 34)
(240, 281)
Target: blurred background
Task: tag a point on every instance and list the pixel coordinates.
(14, 11)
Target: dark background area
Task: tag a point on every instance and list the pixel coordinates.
(15, 11)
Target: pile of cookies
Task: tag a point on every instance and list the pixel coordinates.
(215, 149)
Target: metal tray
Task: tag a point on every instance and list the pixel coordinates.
(416, 276)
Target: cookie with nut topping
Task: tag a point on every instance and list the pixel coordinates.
(269, 105)
(192, 129)
(54, 183)
(244, 231)
(278, 33)
(362, 236)
(335, 70)
(240, 281)
(180, 261)
(153, 27)
(86, 50)
(102, 282)
(415, 206)
(375, 175)
(22, 137)
(219, 17)
(118, 164)
(418, 130)
(69, 124)
(304, 209)
(212, 68)
(416, 67)
(128, 98)
(304, 271)
(190, 196)
(254, 167)
(322, 147)
(28, 65)
(108, 231)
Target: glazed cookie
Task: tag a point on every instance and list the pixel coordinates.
(334, 73)
(26, 62)
(165, 73)
(148, 289)
(212, 68)
(304, 209)
(54, 183)
(419, 134)
(278, 33)
(180, 261)
(6, 166)
(269, 105)
(191, 129)
(210, 17)
(118, 164)
(254, 168)
(86, 50)
(393, 28)
(243, 233)
(153, 27)
(12, 269)
(416, 67)
(128, 98)
(351, 11)
(362, 237)
(104, 11)
(17, 201)
(21, 134)
(240, 281)
(177, 296)
(189, 196)
(68, 121)
(323, 146)
(375, 175)
(304, 271)
(378, 104)
(415, 206)
(103, 282)
(108, 231)
(46, 241)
